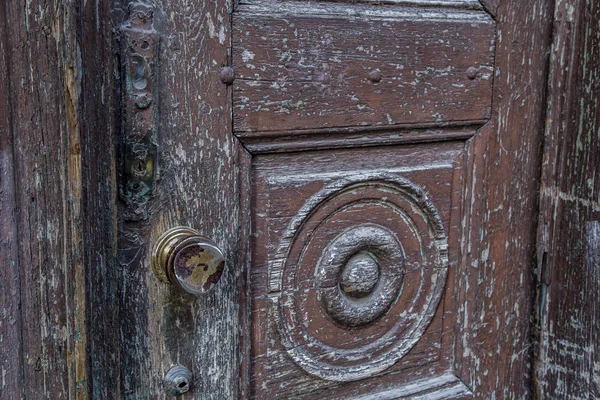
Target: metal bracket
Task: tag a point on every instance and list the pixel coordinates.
(139, 70)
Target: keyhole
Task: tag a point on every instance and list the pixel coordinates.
(177, 381)
(139, 168)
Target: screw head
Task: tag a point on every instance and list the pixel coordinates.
(143, 101)
(375, 76)
(472, 73)
(227, 75)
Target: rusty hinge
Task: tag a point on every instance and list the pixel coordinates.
(139, 75)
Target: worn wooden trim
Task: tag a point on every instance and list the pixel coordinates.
(568, 352)
(335, 138)
(245, 262)
(499, 212)
(357, 10)
(446, 386)
(467, 4)
(475, 124)
(11, 346)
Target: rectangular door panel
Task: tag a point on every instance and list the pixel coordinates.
(313, 66)
(349, 266)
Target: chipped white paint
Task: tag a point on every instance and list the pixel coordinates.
(415, 219)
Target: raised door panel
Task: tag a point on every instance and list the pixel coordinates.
(318, 66)
(357, 116)
(350, 262)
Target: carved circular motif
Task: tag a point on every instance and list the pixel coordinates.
(358, 275)
(361, 251)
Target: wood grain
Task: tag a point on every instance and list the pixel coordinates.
(99, 276)
(199, 186)
(499, 212)
(81, 320)
(275, 142)
(57, 150)
(11, 347)
(328, 66)
(567, 363)
(288, 189)
(469, 4)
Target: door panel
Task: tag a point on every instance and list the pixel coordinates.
(354, 250)
(319, 213)
(380, 183)
(319, 66)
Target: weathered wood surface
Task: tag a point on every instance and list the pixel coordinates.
(568, 359)
(320, 66)
(76, 323)
(313, 208)
(98, 136)
(494, 352)
(282, 141)
(57, 197)
(199, 186)
(11, 349)
(469, 4)
(491, 6)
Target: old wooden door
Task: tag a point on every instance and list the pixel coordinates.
(370, 172)
(369, 169)
(393, 171)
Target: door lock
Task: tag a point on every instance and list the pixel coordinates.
(187, 260)
(178, 381)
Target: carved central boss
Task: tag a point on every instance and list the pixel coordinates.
(358, 275)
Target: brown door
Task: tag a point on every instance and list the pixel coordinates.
(372, 173)
(393, 171)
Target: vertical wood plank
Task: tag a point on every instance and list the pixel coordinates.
(500, 211)
(199, 186)
(567, 356)
(40, 47)
(97, 313)
(59, 222)
(11, 351)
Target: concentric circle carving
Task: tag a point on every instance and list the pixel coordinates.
(358, 275)
(375, 257)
